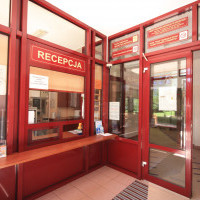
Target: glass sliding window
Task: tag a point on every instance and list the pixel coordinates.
(98, 48)
(55, 96)
(124, 100)
(170, 32)
(98, 92)
(5, 12)
(3, 84)
(42, 134)
(125, 46)
(168, 104)
(72, 130)
(48, 26)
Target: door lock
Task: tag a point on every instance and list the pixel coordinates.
(144, 163)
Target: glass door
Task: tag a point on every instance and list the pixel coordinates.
(167, 153)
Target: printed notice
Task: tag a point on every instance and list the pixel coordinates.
(125, 42)
(39, 82)
(3, 79)
(168, 27)
(167, 98)
(168, 39)
(114, 110)
(125, 51)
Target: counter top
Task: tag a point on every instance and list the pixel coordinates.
(27, 156)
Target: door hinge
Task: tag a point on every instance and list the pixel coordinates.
(145, 69)
(144, 163)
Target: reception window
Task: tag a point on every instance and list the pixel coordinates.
(55, 98)
(4, 12)
(3, 84)
(49, 26)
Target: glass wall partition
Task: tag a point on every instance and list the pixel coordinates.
(124, 100)
(99, 48)
(49, 26)
(3, 85)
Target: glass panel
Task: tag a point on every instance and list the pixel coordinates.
(124, 90)
(3, 84)
(167, 166)
(72, 130)
(63, 98)
(4, 12)
(125, 46)
(42, 134)
(170, 32)
(168, 103)
(199, 22)
(131, 81)
(98, 92)
(48, 26)
(98, 48)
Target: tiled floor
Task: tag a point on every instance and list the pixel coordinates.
(104, 184)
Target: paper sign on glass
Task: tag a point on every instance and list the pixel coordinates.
(39, 82)
(114, 110)
(3, 79)
(167, 98)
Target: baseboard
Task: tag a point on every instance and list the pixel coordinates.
(196, 147)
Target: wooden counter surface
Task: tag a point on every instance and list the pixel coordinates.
(27, 156)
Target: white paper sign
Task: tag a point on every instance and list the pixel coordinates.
(114, 110)
(31, 116)
(3, 79)
(167, 98)
(39, 82)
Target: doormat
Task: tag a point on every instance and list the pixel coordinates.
(135, 191)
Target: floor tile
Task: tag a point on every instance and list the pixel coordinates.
(71, 194)
(101, 194)
(49, 196)
(124, 179)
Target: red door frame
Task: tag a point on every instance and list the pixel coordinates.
(146, 105)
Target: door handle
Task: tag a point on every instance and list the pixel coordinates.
(144, 163)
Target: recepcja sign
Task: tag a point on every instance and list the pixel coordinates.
(43, 55)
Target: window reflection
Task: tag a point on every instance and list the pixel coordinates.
(55, 96)
(45, 106)
(72, 130)
(167, 109)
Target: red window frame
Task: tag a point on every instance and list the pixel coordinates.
(25, 127)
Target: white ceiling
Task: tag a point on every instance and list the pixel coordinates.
(112, 16)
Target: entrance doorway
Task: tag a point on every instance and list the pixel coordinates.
(167, 120)
(196, 126)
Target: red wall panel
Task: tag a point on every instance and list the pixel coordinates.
(7, 183)
(95, 155)
(38, 175)
(123, 155)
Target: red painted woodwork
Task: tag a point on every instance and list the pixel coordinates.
(8, 183)
(95, 155)
(42, 173)
(124, 155)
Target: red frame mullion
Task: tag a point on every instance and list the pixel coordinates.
(23, 75)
